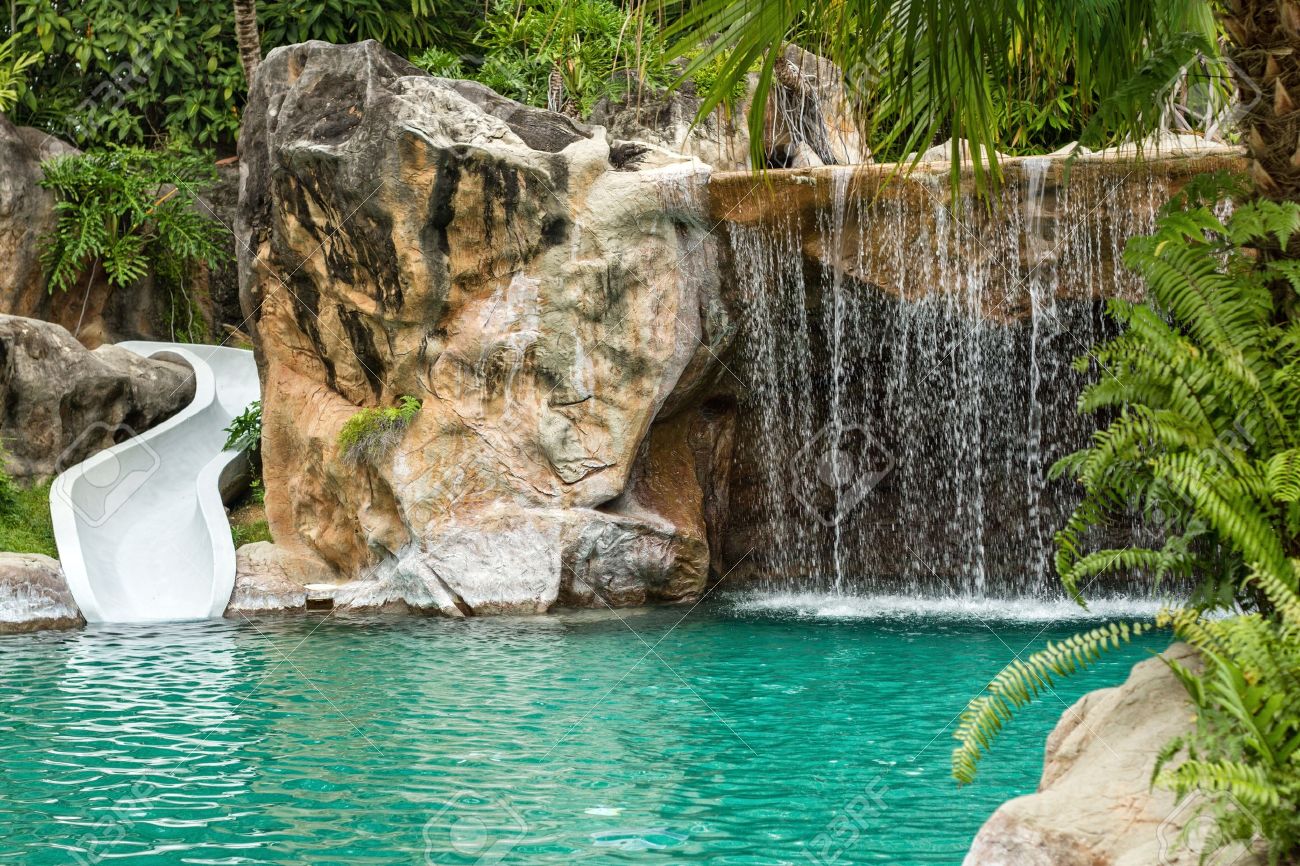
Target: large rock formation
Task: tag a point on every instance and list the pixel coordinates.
(1095, 805)
(808, 121)
(549, 294)
(34, 595)
(61, 402)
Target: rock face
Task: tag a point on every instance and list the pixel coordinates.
(61, 402)
(34, 595)
(1095, 805)
(807, 122)
(549, 295)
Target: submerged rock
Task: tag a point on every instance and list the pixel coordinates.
(34, 596)
(61, 402)
(550, 296)
(1095, 804)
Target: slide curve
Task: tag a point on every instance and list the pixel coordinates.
(141, 529)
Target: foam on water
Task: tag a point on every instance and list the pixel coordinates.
(825, 605)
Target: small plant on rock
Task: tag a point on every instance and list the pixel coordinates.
(245, 430)
(371, 433)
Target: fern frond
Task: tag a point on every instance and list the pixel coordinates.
(1022, 681)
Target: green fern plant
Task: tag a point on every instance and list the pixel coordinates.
(371, 433)
(133, 212)
(244, 433)
(1203, 390)
(1242, 761)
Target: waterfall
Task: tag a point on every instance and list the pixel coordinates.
(910, 379)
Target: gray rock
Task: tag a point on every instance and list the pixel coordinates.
(1095, 805)
(270, 579)
(34, 595)
(61, 402)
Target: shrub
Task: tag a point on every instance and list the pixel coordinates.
(599, 49)
(371, 433)
(12, 68)
(136, 71)
(25, 523)
(133, 212)
(244, 432)
(440, 62)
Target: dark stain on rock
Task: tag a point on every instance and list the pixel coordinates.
(306, 313)
(363, 346)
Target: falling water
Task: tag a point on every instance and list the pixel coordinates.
(910, 375)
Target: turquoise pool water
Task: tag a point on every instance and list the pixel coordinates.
(758, 731)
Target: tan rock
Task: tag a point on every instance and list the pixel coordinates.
(1095, 805)
(549, 307)
(270, 579)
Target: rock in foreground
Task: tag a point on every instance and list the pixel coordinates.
(1095, 805)
(34, 595)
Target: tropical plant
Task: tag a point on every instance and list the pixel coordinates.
(916, 79)
(440, 62)
(1203, 388)
(133, 212)
(244, 433)
(1242, 762)
(12, 66)
(136, 71)
(598, 50)
(371, 433)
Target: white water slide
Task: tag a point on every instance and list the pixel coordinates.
(141, 528)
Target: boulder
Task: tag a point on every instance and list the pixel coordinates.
(61, 402)
(551, 296)
(270, 579)
(34, 596)
(808, 121)
(1095, 805)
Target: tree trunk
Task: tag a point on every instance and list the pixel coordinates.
(1265, 36)
(250, 43)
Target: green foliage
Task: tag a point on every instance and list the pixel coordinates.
(12, 67)
(133, 71)
(1203, 386)
(247, 533)
(132, 212)
(245, 430)
(1203, 389)
(1243, 759)
(370, 433)
(1015, 75)
(1022, 681)
(440, 62)
(8, 490)
(25, 523)
(600, 50)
